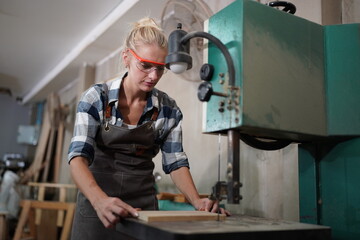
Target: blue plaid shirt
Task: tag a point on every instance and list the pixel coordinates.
(90, 115)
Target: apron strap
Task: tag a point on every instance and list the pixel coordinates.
(140, 150)
(107, 114)
(108, 111)
(155, 114)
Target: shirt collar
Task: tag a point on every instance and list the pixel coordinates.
(152, 99)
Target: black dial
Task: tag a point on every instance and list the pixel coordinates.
(205, 91)
(206, 72)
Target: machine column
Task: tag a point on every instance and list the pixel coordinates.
(233, 168)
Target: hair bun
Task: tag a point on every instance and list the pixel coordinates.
(145, 31)
(146, 22)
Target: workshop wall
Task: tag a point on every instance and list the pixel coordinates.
(13, 115)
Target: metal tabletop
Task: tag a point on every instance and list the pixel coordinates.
(233, 227)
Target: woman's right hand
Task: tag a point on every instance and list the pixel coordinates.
(108, 209)
(111, 209)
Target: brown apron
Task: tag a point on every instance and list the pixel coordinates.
(123, 168)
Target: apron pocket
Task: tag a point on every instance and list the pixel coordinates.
(85, 207)
(136, 190)
(139, 192)
(137, 185)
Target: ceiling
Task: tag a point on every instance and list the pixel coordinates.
(43, 43)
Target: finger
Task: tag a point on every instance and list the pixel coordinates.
(209, 206)
(112, 218)
(129, 209)
(120, 211)
(133, 212)
(227, 213)
(222, 211)
(215, 207)
(105, 222)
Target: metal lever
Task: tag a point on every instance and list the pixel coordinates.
(288, 7)
(205, 91)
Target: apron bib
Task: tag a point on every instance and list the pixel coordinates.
(123, 168)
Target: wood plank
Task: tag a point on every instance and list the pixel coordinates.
(41, 197)
(59, 144)
(53, 185)
(173, 216)
(51, 205)
(62, 198)
(47, 229)
(36, 165)
(49, 153)
(22, 219)
(53, 106)
(181, 198)
(31, 222)
(166, 196)
(68, 221)
(3, 226)
(42, 145)
(176, 197)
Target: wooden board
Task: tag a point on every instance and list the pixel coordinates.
(174, 216)
(176, 197)
(181, 198)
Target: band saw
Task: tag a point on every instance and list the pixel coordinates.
(270, 79)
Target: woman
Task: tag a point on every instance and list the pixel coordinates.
(120, 126)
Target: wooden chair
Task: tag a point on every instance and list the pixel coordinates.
(27, 217)
(3, 226)
(31, 212)
(41, 189)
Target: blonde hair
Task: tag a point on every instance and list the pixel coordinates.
(145, 31)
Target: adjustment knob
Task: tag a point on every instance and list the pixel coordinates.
(205, 91)
(206, 72)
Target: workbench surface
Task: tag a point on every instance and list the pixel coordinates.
(232, 228)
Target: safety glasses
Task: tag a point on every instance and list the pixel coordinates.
(147, 66)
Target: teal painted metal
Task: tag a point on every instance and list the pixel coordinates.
(342, 43)
(307, 187)
(338, 177)
(283, 62)
(340, 191)
(167, 205)
(232, 38)
(276, 66)
(334, 201)
(296, 79)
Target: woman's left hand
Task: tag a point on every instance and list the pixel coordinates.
(205, 204)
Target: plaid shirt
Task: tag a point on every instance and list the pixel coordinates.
(90, 115)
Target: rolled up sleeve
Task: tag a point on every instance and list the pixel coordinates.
(173, 155)
(86, 125)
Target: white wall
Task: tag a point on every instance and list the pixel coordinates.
(351, 11)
